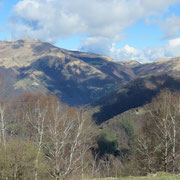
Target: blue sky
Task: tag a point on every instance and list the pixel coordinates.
(142, 30)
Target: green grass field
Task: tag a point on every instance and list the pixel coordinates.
(159, 176)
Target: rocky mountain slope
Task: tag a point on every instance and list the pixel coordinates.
(77, 78)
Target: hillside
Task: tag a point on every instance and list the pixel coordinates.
(130, 63)
(76, 77)
(134, 94)
(150, 79)
(170, 66)
(120, 115)
(158, 176)
(114, 92)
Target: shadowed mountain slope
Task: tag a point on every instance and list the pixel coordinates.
(77, 78)
(133, 95)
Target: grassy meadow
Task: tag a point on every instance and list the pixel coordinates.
(159, 176)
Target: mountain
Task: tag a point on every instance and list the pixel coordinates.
(120, 115)
(114, 92)
(130, 63)
(133, 95)
(76, 77)
(169, 66)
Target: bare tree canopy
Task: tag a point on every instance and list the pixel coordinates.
(158, 144)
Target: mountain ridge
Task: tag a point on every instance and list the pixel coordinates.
(76, 77)
(134, 94)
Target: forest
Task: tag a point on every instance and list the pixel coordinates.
(42, 138)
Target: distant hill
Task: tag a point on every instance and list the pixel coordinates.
(121, 114)
(134, 94)
(76, 77)
(130, 63)
(169, 66)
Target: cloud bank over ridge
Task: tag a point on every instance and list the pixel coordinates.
(103, 46)
(104, 22)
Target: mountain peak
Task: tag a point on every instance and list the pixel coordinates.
(25, 39)
(77, 77)
(130, 63)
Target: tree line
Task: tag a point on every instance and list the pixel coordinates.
(157, 147)
(42, 138)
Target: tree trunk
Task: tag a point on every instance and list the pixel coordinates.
(166, 154)
(174, 148)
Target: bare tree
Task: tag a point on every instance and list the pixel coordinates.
(68, 135)
(63, 133)
(32, 113)
(159, 137)
(3, 121)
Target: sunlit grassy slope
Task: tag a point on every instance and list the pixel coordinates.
(78, 78)
(159, 176)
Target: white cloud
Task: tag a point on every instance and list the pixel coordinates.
(97, 45)
(173, 47)
(174, 42)
(125, 53)
(171, 26)
(104, 22)
(49, 20)
(170, 49)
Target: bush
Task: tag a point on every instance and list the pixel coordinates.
(107, 142)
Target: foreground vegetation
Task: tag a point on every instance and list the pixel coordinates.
(41, 138)
(158, 176)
